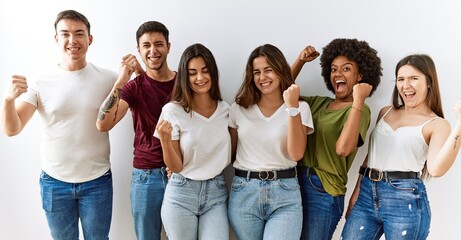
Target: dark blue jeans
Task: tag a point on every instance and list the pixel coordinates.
(397, 208)
(65, 203)
(321, 211)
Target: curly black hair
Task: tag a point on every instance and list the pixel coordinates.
(358, 51)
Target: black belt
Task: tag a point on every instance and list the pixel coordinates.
(376, 175)
(307, 170)
(267, 175)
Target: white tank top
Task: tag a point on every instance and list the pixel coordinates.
(403, 149)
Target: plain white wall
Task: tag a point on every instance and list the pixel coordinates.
(231, 29)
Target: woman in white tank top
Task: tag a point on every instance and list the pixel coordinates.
(411, 141)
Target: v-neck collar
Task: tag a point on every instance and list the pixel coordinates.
(262, 116)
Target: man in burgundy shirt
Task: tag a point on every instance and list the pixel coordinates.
(145, 95)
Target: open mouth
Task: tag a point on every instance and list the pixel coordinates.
(265, 84)
(409, 95)
(340, 85)
(201, 84)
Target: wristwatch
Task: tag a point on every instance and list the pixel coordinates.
(293, 111)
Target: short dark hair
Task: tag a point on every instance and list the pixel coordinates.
(182, 91)
(73, 15)
(152, 26)
(358, 51)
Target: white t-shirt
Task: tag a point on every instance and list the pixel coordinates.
(262, 141)
(72, 149)
(205, 142)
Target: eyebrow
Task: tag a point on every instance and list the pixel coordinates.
(412, 76)
(347, 63)
(195, 69)
(66, 31)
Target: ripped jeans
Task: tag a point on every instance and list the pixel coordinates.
(397, 208)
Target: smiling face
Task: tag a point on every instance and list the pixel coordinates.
(344, 75)
(265, 78)
(412, 86)
(73, 39)
(199, 76)
(153, 49)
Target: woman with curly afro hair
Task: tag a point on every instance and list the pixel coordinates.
(351, 70)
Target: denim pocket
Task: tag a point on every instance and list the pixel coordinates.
(238, 183)
(177, 180)
(139, 176)
(426, 201)
(289, 183)
(220, 182)
(316, 184)
(46, 191)
(45, 176)
(404, 184)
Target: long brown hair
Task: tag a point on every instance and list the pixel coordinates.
(424, 64)
(249, 94)
(182, 91)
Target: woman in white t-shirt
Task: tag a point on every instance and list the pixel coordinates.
(410, 140)
(269, 127)
(196, 148)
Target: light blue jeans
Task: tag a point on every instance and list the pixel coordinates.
(64, 203)
(321, 211)
(399, 208)
(147, 189)
(265, 209)
(195, 209)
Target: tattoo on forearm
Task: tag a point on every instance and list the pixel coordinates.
(110, 103)
(456, 140)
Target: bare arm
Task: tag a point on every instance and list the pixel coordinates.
(444, 144)
(171, 150)
(307, 54)
(349, 137)
(356, 192)
(15, 116)
(297, 132)
(113, 108)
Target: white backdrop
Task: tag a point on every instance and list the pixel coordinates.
(231, 29)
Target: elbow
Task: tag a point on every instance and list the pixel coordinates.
(102, 127)
(342, 152)
(296, 157)
(11, 133)
(175, 169)
(434, 172)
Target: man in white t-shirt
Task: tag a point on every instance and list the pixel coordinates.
(76, 181)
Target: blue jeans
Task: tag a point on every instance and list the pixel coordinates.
(398, 208)
(195, 209)
(321, 210)
(147, 189)
(265, 209)
(64, 203)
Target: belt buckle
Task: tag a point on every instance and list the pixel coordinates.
(267, 173)
(380, 175)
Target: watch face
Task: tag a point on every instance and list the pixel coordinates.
(293, 112)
